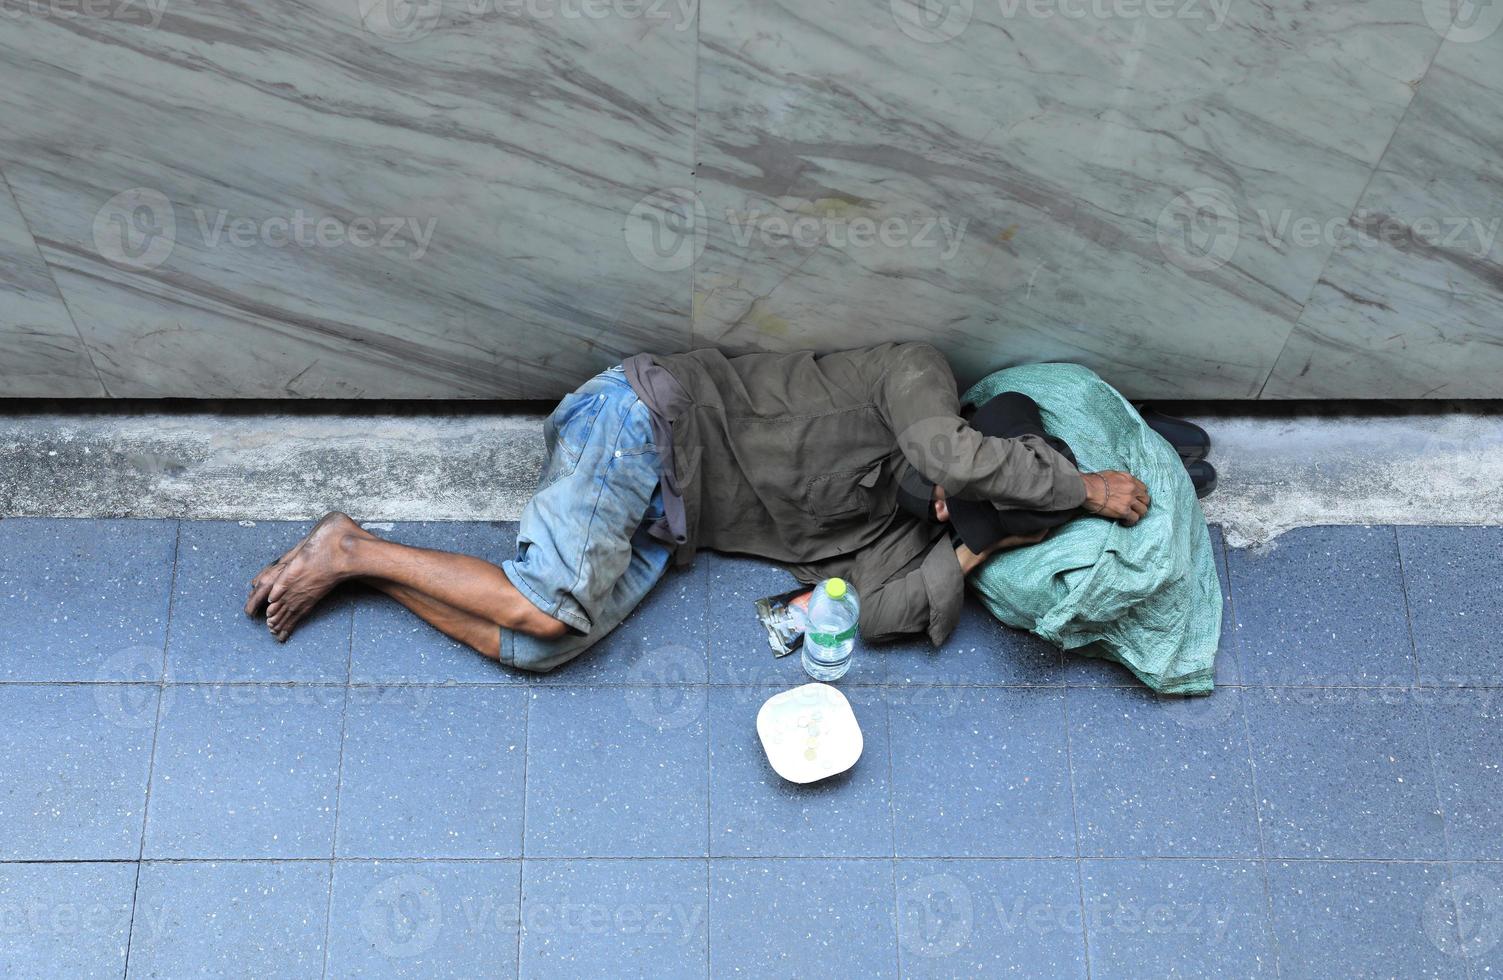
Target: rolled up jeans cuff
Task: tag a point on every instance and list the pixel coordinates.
(523, 652)
(506, 649)
(570, 615)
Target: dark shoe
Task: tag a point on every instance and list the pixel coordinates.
(1188, 439)
(1202, 475)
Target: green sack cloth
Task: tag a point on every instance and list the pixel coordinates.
(1146, 596)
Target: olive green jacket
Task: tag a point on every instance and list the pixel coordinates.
(797, 457)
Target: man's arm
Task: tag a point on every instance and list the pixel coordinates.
(918, 399)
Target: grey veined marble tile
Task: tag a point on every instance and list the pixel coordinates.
(290, 199)
(1411, 304)
(41, 354)
(1017, 184)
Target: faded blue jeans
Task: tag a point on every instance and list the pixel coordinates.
(584, 555)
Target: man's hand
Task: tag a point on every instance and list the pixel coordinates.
(969, 559)
(1116, 496)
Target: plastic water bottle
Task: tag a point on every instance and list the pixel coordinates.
(831, 636)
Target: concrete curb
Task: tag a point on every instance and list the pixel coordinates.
(1277, 471)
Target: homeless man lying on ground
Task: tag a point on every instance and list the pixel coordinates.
(854, 464)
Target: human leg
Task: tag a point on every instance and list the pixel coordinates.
(339, 550)
(583, 559)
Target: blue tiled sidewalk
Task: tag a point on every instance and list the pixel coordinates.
(182, 795)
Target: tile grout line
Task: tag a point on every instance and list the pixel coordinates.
(1085, 932)
(892, 826)
(328, 916)
(520, 876)
(983, 858)
(1445, 829)
(1268, 916)
(1449, 878)
(708, 736)
(156, 730)
(1398, 554)
(1252, 765)
(344, 728)
(527, 696)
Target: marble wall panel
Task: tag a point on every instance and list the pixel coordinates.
(41, 354)
(1411, 303)
(341, 199)
(1108, 172)
(496, 198)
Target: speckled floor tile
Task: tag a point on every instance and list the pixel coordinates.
(1161, 776)
(1084, 671)
(1364, 919)
(1476, 892)
(245, 771)
(616, 918)
(425, 920)
(759, 668)
(980, 651)
(1451, 577)
(989, 919)
(230, 919)
(617, 772)
(1322, 606)
(980, 772)
(1343, 773)
(390, 644)
(739, 653)
(84, 600)
(662, 641)
(65, 920)
(756, 812)
(635, 771)
(1466, 734)
(433, 772)
(61, 797)
(1147, 918)
(213, 641)
(802, 918)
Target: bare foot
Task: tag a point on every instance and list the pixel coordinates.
(308, 573)
(260, 586)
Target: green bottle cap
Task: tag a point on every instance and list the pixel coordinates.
(835, 588)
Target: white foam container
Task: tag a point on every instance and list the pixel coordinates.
(809, 733)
